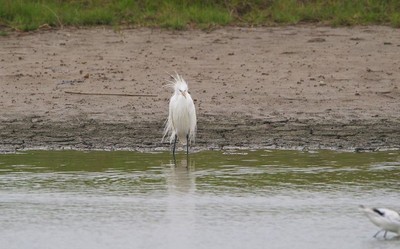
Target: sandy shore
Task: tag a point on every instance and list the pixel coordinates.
(303, 87)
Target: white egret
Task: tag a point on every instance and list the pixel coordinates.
(387, 219)
(181, 122)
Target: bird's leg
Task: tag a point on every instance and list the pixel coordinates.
(187, 144)
(384, 235)
(173, 149)
(378, 233)
(187, 151)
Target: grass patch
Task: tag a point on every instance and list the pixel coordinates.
(28, 15)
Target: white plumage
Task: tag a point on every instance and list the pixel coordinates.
(387, 219)
(181, 122)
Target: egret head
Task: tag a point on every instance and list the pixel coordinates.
(180, 86)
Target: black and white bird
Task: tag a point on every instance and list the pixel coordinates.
(387, 219)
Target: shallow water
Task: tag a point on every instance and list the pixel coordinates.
(231, 199)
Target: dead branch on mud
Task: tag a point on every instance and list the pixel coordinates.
(113, 94)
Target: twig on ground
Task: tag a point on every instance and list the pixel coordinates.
(114, 94)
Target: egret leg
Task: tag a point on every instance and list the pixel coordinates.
(187, 144)
(378, 233)
(384, 235)
(173, 150)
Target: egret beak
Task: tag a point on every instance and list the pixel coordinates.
(184, 94)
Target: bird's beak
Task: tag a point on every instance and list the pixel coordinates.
(184, 94)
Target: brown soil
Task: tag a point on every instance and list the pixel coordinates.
(304, 87)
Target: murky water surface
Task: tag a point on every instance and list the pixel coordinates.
(231, 199)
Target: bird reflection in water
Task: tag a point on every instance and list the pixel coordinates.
(181, 176)
(180, 213)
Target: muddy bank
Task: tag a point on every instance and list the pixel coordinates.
(214, 133)
(302, 87)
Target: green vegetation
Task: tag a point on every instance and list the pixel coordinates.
(28, 15)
